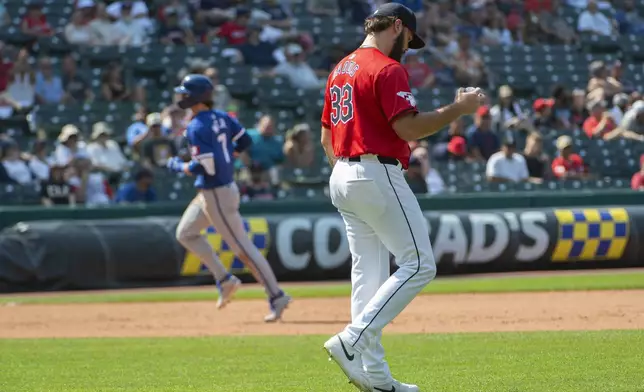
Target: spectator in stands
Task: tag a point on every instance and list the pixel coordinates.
(298, 148)
(629, 19)
(87, 9)
(416, 177)
(507, 165)
(258, 186)
(322, 7)
(131, 30)
(561, 108)
(620, 104)
(138, 191)
(553, 26)
(201, 30)
(113, 87)
(420, 75)
(218, 11)
(34, 23)
(38, 160)
(49, 87)
(90, 185)
(505, 110)
(481, 140)
(543, 118)
(433, 179)
(221, 96)
(181, 10)
(280, 15)
(157, 148)
(105, 153)
(295, 68)
(567, 165)
(235, 31)
(256, 52)
(77, 32)
(55, 190)
(172, 33)
(494, 30)
(637, 181)
(5, 18)
(600, 123)
(632, 125)
(616, 78)
(76, 87)
(69, 147)
(137, 131)
(267, 148)
(469, 69)
(578, 111)
(14, 167)
(535, 159)
(452, 146)
(103, 30)
(592, 21)
(21, 90)
(599, 85)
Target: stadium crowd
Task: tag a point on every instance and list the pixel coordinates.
(113, 164)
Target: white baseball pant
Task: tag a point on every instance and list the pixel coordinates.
(381, 214)
(219, 207)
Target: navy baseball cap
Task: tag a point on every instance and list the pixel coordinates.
(407, 18)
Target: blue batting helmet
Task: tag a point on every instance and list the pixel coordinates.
(195, 89)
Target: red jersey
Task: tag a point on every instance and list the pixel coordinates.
(561, 166)
(365, 93)
(591, 123)
(234, 33)
(38, 24)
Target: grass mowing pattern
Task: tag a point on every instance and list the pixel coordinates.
(607, 361)
(563, 282)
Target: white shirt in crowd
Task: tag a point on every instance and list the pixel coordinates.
(513, 169)
(18, 171)
(79, 35)
(95, 190)
(594, 22)
(300, 75)
(63, 155)
(133, 32)
(617, 114)
(108, 156)
(435, 183)
(104, 32)
(39, 168)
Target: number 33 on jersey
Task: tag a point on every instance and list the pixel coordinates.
(212, 136)
(364, 95)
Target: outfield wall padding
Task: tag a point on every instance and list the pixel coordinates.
(83, 254)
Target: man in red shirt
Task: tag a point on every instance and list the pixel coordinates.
(567, 164)
(637, 182)
(369, 117)
(35, 23)
(600, 123)
(235, 31)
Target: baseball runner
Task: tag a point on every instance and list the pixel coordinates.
(369, 117)
(214, 137)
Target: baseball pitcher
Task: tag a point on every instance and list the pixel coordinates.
(369, 117)
(214, 137)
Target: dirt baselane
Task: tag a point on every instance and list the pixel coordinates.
(575, 310)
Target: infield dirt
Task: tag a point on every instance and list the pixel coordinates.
(574, 310)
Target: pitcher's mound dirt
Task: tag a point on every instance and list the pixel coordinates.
(431, 313)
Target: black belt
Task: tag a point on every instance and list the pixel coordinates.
(381, 159)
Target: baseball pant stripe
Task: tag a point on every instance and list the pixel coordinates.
(411, 232)
(245, 255)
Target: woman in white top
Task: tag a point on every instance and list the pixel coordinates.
(22, 81)
(69, 147)
(103, 30)
(16, 169)
(78, 33)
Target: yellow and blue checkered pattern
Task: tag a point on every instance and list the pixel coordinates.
(591, 234)
(258, 232)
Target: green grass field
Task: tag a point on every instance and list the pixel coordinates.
(622, 280)
(604, 361)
